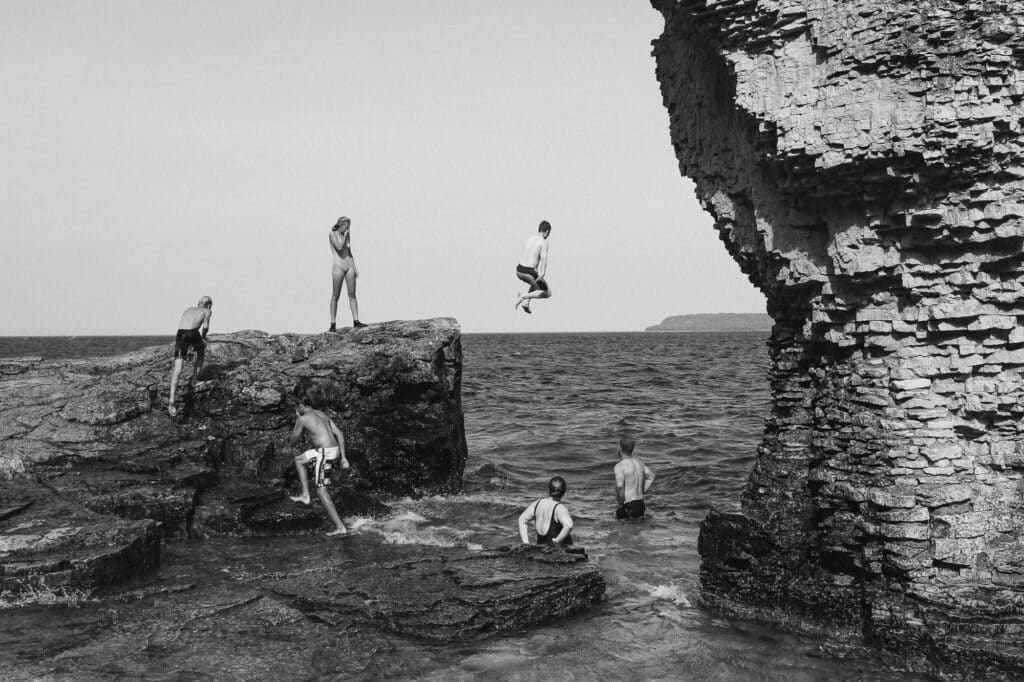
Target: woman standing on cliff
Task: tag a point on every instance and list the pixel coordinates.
(344, 270)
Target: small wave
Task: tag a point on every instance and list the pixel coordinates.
(672, 593)
(408, 528)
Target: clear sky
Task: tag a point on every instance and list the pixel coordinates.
(153, 152)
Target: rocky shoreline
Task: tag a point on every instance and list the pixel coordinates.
(96, 480)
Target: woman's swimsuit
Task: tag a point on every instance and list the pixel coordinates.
(554, 528)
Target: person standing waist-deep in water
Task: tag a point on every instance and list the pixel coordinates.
(552, 520)
(633, 479)
(533, 266)
(328, 449)
(192, 328)
(344, 270)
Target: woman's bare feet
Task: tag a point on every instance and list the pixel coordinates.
(172, 410)
(338, 531)
(304, 499)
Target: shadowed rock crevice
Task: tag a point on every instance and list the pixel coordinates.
(863, 164)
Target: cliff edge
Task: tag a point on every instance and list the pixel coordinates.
(864, 165)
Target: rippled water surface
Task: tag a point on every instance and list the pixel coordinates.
(540, 405)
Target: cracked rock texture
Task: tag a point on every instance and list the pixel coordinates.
(90, 462)
(863, 162)
(261, 608)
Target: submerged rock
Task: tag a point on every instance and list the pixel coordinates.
(863, 162)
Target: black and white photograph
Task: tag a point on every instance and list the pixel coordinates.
(545, 340)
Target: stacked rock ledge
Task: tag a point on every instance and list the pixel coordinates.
(93, 472)
(864, 165)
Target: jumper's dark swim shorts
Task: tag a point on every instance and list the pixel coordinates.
(630, 510)
(537, 284)
(187, 340)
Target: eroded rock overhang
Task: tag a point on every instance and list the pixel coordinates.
(862, 160)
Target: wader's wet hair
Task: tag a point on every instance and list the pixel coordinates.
(545, 226)
(343, 220)
(556, 487)
(627, 445)
(205, 302)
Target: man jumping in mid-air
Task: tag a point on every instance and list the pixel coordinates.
(192, 328)
(533, 265)
(344, 270)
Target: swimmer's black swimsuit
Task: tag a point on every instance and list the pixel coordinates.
(186, 340)
(532, 272)
(630, 510)
(554, 528)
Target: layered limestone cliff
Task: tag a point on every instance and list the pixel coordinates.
(863, 162)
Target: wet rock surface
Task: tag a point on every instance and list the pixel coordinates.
(261, 608)
(120, 527)
(51, 545)
(862, 161)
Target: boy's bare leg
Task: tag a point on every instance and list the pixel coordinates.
(325, 497)
(300, 465)
(175, 373)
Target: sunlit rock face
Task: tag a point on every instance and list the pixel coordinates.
(862, 160)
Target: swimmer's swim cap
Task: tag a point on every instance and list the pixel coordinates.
(556, 486)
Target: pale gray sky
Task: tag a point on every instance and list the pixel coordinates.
(153, 152)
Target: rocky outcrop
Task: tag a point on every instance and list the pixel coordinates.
(454, 596)
(259, 608)
(97, 475)
(863, 164)
(86, 445)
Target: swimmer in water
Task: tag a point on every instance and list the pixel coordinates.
(552, 520)
(533, 266)
(191, 336)
(328, 449)
(633, 479)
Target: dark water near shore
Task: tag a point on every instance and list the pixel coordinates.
(539, 405)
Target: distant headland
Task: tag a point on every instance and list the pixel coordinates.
(715, 322)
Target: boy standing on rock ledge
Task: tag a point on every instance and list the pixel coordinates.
(192, 328)
(329, 446)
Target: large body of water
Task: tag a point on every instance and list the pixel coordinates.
(546, 404)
